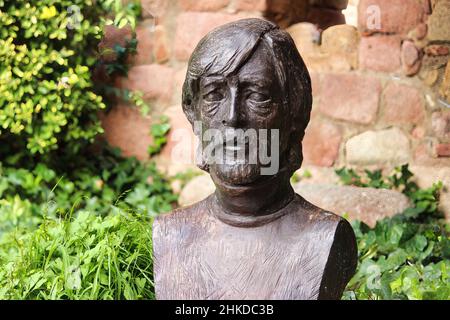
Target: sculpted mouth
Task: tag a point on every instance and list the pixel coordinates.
(236, 144)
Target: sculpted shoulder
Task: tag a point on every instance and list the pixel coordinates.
(311, 216)
(334, 235)
(323, 222)
(180, 222)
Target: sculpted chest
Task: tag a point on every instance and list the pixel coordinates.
(284, 259)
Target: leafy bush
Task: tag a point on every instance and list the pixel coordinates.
(402, 259)
(406, 256)
(99, 181)
(74, 214)
(48, 49)
(84, 235)
(104, 251)
(159, 133)
(84, 257)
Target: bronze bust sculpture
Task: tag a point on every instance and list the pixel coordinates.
(254, 238)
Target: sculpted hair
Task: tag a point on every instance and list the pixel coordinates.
(225, 49)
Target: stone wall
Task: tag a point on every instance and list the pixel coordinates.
(381, 92)
(381, 95)
(381, 88)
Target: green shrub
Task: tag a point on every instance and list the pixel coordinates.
(94, 250)
(406, 256)
(97, 182)
(48, 49)
(159, 133)
(84, 257)
(82, 235)
(74, 215)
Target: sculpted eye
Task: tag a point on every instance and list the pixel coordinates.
(259, 102)
(213, 96)
(258, 97)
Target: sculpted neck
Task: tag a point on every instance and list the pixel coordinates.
(260, 199)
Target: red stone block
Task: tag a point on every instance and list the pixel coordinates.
(113, 36)
(380, 53)
(128, 130)
(315, 83)
(193, 26)
(427, 6)
(180, 76)
(443, 150)
(411, 58)
(180, 133)
(286, 12)
(389, 16)
(321, 144)
(437, 50)
(402, 104)
(251, 5)
(423, 156)
(145, 44)
(155, 81)
(351, 97)
(161, 50)
(154, 8)
(203, 5)
(440, 124)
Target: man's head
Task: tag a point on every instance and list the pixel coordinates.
(249, 75)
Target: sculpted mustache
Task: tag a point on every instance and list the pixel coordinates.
(238, 141)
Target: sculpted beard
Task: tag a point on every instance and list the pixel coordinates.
(238, 159)
(236, 173)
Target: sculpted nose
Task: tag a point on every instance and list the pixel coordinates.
(231, 117)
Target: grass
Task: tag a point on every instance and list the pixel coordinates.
(83, 257)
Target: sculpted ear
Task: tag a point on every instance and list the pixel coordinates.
(189, 113)
(188, 100)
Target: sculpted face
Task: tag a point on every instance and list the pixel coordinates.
(250, 98)
(247, 82)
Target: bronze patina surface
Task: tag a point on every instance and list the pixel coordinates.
(254, 238)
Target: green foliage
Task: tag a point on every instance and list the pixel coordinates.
(99, 250)
(296, 177)
(119, 66)
(75, 215)
(159, 133)
(97, 183)
(134, 98)
(84, 257)
(406, 256)
(401, 259)
(374, 178)
(400, 179)
(82, 235)
(47, 50)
